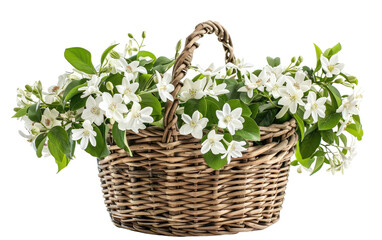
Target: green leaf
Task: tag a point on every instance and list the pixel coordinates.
(273, 62)
(318, 56)
(335, 95)
(196, 104)
(147, 54)
(329, 122)
(355, 131)
(233, 87)
(266, 117)
(334, 50)
(149, 100)
(245, 99)
(119, 137)
(344, 139)
(214, 161)
(77, 102)
(212, 107)
(306, 162)
(59, 137)
(236, 103)
(61, 159)
(309, 145)
(35, 112)
(327, 136)
(39, 143)
(80, 59)
(73, 85)
(300, 124)
(100, 150)
(254, 109)
(250, 130)
(21, 112)
(115, 79)
(319, 162)
(106, 52)
(162, 64)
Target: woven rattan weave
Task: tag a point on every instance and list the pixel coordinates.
(166, 188)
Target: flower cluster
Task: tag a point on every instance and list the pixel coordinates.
(223, 107)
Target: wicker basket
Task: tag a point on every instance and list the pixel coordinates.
(166, 188)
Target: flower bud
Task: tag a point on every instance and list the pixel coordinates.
(114, 54)
(299, 169)
(300, 59)
(339, 80)
(139, 98)
(178, 46)
(229, 72)
(144, 34)
(352, 79)
(28, 88)
(130, 35)
(293, 59)
(16, 109)
(109, 86)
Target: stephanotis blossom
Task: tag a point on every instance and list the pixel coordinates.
(49, 118)
(214, 90)
(213, 143)
(56, 90)
(164, 86)
(210, 71)
(275, 85)
(194, 125)
(136, 118)
(299, 81)
(128, 89)
(234, 150)
(290, 98)
(192, 90)
(350, 105)
(232, 120)
(93, 112)
(86, 134)
(91, 87)
(253, 82)
(113, 106)
(240, 65)
(133, 68)
(276, 72)
(331, 66)
(315, 107)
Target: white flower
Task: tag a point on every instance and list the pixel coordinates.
(133, 68)
(315, 107)
(210, 71)
(234, 150)
(56, 90)
(299, 81)
(232, 120)
(146, 59)
(240, 65)
(343, 125)
(128, 89)
(331, 67)
(253, 82)
(164, 86)
(92, 112)
(214, 90)
(113, 106)
(277, 72)
(194, 125)
(86, 134)
(350, 105)
(129, 49)
(274, 85)
(290, 98)
(213, 143)
(49, 118)
(136, 118)
(114, 64)
(91, 87)
(192, 90)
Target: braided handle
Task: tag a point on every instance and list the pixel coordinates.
(183, 63)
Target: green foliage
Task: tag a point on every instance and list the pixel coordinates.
(119, 137)
(310, 143)
(39, 144)
(149, 100)
(162, 64)
(329, 121)
(273, 62)
(100, 150)
(196, 104)
(236, 103)
(106, 52)
(21, 112)
(35, 112)
(250, 130)
(80, 59)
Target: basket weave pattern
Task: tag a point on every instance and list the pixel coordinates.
(166, 188)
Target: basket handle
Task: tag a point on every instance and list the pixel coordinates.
(183, 63)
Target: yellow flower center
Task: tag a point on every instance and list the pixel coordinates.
(227, 119)
(330, 68)
(113, 106)
(95, 110)
(129, 69)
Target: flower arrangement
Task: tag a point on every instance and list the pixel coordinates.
(223, 107)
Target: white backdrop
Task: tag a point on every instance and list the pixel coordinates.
(37, 203)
